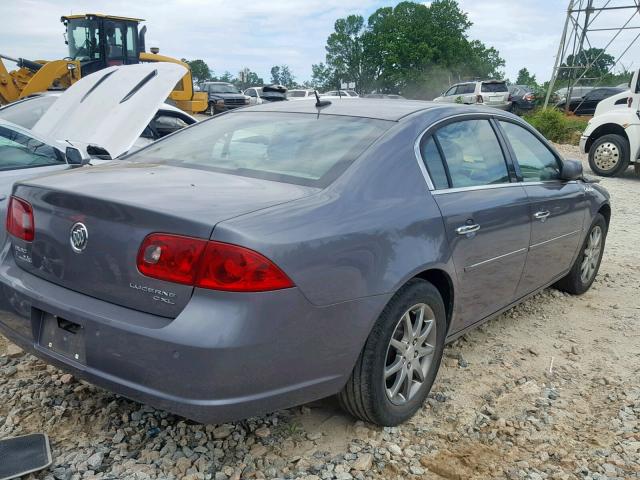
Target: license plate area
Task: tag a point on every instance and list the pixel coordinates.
(63, 337)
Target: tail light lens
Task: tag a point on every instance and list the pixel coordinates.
(208, 264)
(479, 99)
(20, 219)
(529, 97)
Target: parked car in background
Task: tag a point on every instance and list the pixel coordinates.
(28, 111)
(522, 99)
(587, 104)
(490, 93)
(266, 94)
(300, 94)
(223, 96)
(391, 96)
(89, 122)
(341, 93)
(281, 253)
(576, 93)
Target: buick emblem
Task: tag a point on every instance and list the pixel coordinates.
(79, 237)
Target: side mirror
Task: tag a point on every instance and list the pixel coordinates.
(74, 157)
(571, 170)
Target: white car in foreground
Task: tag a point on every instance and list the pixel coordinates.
(612, 136)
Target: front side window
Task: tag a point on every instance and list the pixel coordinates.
(115, 40)
(537, 162)
(18, 150)
(451, 91)
(132, 42)
(84, 39)
(472, 153)
(304, 149)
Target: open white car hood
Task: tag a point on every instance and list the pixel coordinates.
(112, 107)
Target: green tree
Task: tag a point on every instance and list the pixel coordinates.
(200, 71)
(275, 74)
(282, 75)
(323, 77)
(412, 48)
(227, 77)
(247, 78)
(525, 78)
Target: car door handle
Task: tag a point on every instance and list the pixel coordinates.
(466, 229)
(541, 215)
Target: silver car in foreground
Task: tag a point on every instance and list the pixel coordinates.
(283, 253)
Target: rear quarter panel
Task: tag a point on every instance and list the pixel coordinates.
(366, 234)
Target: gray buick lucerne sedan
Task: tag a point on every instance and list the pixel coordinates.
(286, 252)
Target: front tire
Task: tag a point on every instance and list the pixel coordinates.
(609, 155)
(587, 263)
(211, 110)
(400, 359)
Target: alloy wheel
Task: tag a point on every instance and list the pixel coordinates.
(592, 252)
(410, 354)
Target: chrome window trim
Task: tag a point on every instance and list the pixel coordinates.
(422, 164)
(444, 191)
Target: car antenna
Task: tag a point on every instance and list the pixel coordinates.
(321, 103)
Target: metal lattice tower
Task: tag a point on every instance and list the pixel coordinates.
(604, 24)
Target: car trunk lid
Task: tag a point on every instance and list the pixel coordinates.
(118, 216)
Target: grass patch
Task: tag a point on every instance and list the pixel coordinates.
(556, 126)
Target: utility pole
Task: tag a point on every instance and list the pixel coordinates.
(584, 18)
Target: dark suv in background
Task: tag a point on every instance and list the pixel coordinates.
(223, 96)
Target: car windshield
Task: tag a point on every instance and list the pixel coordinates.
(494, 87)
(284, 147)
(223, 88)
(27, 112)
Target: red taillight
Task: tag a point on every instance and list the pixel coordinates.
(20, 219)
(208, 264)
(479, 99)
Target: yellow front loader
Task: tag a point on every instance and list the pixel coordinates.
(95, 42)
(33, 77)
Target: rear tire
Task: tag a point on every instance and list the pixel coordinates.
(211, 110)
(401, 354)
(587, 263)
(609, 155)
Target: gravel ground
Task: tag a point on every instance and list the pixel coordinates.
(549, 390)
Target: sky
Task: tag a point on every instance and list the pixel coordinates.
(232, 35)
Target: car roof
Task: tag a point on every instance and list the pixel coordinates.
(359, 107)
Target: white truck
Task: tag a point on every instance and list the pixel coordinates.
(612, 136)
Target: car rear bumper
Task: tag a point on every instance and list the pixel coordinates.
(226, 356)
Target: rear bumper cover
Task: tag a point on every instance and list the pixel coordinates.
(226, 356)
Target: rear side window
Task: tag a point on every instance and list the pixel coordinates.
(472, 154)
(494, 87)
(305, 149)
(434, 163)
(537, 162)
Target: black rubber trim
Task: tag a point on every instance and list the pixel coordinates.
(140, 84)
(97, 84)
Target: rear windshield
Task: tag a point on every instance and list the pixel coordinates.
(494, 87)
(305, 149)
(27, 112)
